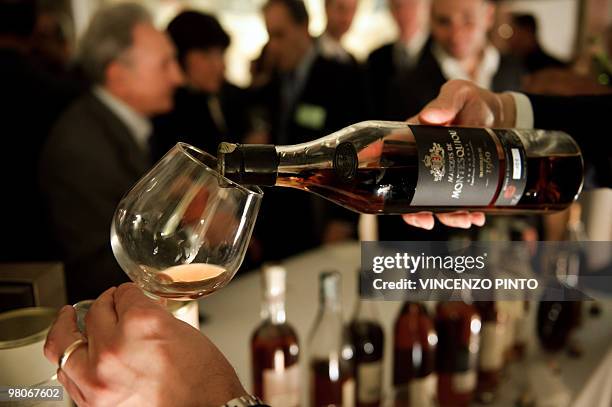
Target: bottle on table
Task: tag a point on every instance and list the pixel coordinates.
(458, 326)
(274, 345)
(555, 323)
(492, 350)
(576, 234)
(414, 351)
(331, 356)
(557, 320)
(381, 167)
(522, 331)
(367, 340)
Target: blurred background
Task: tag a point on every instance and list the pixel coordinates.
(574, 31)
(94, 94)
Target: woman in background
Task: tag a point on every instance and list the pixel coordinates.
(207, 109)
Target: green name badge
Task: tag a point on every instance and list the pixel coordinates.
(310, 116)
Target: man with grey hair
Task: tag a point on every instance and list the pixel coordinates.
(99, 147)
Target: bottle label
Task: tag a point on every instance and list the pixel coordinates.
(461, 167)
(369, 377)
(419, 392)
(492, 341)
(282, 387)
(515, 176)
(464, 382)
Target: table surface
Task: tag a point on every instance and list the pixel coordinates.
(233, 313)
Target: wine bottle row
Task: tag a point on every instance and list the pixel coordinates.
(446, 358)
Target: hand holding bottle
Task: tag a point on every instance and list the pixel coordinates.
(378, 167)
(138, 354)
(463, 103)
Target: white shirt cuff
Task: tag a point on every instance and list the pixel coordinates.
(524, 111)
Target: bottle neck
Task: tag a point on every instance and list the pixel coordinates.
(273, 290)
(329, 306)
(246, 164)
(365, 311)
(273, 310)
(269, 165)
(329, 297)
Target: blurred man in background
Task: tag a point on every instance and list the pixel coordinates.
(460, 50)
(100, 146)
(32, 99)
(524, 45)
(340, 14)
(309, 97)
(208, 109)
(387, 62)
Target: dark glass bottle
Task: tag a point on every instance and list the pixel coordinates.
(458, 325)
(492, 350)
(393, 167)
(367, 340)
(414, 352)
(332, 383)
(522, 330)
(274, 346)
(557, 320)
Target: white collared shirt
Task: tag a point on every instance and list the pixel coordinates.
(330, 48)
(451, 67)
(139, 126)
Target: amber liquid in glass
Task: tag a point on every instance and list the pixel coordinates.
(199, 278)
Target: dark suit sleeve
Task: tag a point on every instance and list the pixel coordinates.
(585, 119)
(378, 72)
(79, 177)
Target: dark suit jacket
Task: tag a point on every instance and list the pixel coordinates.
(333, 97)
(31, 100)
(380, 70)
(412, 90)
(191, 121)
(539, 59)
(89, 162)
(585, 118)
(338, 90)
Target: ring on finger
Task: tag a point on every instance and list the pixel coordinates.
(69, 350)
